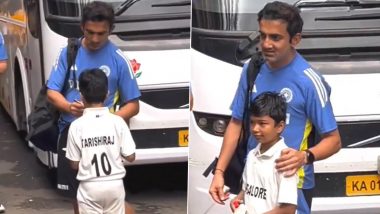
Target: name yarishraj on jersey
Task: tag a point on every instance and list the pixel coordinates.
(98, 141)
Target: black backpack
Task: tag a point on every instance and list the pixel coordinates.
(43, 120)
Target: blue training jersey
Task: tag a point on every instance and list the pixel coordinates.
(121, 81)
(307, 96)
(3, 51)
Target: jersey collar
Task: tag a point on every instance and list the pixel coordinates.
(271, 151)
(96, 112)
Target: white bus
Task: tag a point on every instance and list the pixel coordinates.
(155, 34)
(341, 39)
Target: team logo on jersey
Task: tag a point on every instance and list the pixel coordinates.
(105, 69)
(287, 94)
(135, 67)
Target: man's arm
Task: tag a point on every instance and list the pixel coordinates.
(129, 110)
(59, 101)
(283, 209)
(74, 165)
(291, 160)
(3, 66)
(230, 140)
(329, 145)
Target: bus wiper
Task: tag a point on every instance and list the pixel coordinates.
(124, 6)
(173, 4)
(350, 17)
(247, 47)
(337, 3)
(128, 3)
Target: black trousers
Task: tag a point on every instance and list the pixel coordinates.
(66, 176)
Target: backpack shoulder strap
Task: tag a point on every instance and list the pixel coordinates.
(252, 71)
(72, 50)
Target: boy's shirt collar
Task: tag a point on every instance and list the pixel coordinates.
(97, 112)
(271, 151)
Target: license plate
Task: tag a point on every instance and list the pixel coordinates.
(183, 138)
(363, 185)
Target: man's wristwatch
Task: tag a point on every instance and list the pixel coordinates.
(309, 157)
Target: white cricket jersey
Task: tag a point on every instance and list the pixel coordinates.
(97, 140)
(265, 188)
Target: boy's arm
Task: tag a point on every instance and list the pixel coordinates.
(130, 158)
(283, 209)
(239, 199)
(287, 194)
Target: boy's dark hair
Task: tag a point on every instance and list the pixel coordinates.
(279, 10)
(97, 11)
(269, 104)
(93, 85)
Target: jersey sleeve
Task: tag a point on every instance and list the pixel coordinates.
(73, 151)
(237, 105)
(128, 146)
(318, 105)
(127, 83)
(287, 191)
(58, 72)
(3, 51)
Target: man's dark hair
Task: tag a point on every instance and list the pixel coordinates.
(279, 10)
(97, 11)
(93, 85)
(269, 104)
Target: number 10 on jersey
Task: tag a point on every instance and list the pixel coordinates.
(104, 162)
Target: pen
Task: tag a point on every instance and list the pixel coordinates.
(78, 101)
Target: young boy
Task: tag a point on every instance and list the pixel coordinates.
(96, 145)
(264, 189)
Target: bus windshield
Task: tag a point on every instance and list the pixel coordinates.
(218, 28)
(135, 18)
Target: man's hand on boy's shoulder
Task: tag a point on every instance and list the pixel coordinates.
(290, 161)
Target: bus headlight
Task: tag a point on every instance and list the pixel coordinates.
(219, 126)
(202, 122)
(212, 123)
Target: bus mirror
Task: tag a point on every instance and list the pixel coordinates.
(247, 47)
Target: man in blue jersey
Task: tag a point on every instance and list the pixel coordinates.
(3, 68)
(308, 96)
(3, 55)
(95, 51)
